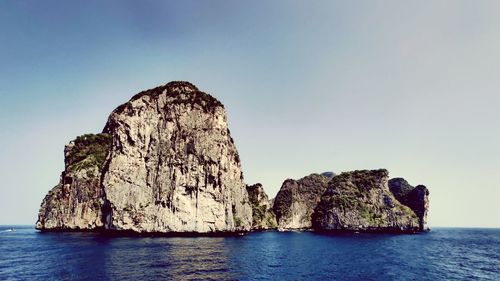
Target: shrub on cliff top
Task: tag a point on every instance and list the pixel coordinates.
(87, 151)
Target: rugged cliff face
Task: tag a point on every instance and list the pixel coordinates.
(165, 162)
(76, 202)
(172, 166)
(361, 200)
(416, 198)
(262, 213)
(296, 200)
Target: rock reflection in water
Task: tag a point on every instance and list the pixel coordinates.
(168, 258)
(442, 254)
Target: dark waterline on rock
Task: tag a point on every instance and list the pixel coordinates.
(442, 254)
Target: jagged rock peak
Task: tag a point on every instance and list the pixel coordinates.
(296, 200)
(76, 201)
(263, 216)
(173, 151)
(165, 162)
(172, 88)
(414, 197)
(361, 201)
(177, 92)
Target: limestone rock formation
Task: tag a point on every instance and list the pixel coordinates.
(166, 163)
(362, 201)
(296, 200)
(76, 202)
(262, 213)
(416, 198)
(172, 166)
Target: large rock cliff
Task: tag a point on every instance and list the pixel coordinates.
(416, 198)
(76, 202)
(172, 166)
(362, 201)
(263, 215)
(296, 200)
(166, 163)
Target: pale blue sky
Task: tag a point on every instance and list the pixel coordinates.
(310, 86)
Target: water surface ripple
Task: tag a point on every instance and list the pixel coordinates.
(442, 254)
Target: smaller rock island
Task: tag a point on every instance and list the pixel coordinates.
(165, 163)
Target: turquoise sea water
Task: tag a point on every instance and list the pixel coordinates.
(442, 254)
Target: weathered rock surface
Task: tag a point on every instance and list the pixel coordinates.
(296, 200)
(165, 162)
(76, 202)
(172, 167)
(362, 201)
(262, 213)
(417, 198)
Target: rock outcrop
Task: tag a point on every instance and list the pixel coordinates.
(416, 198)
(362, 201)
(166, 163)
(76, 202)
(262, 213)
(172, 166)
(296, 200)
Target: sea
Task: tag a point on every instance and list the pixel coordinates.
(441, 254)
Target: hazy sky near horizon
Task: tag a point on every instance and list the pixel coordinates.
(309, 86)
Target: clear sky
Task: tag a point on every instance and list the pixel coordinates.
(310, 86)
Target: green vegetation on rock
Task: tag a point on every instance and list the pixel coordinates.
(296, 200)
(191, 97)
(87, 151)
(362, 200)
(262, 214)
